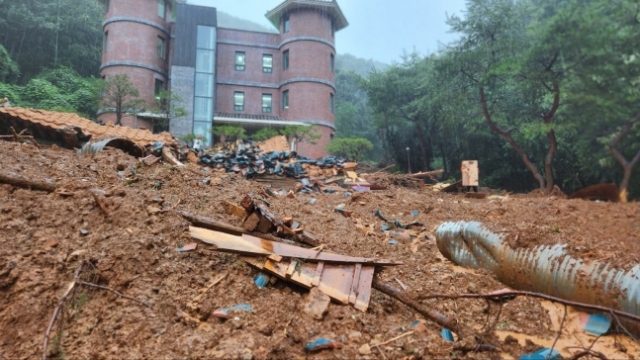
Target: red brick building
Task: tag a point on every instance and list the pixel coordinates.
(228, 76)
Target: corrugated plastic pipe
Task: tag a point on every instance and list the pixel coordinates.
(542, 269)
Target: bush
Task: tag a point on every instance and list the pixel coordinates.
(264, 134)
(230, 132)
(350, 148)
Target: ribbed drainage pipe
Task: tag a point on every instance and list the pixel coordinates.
(543, 269)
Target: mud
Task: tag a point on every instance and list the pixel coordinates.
(132, 249)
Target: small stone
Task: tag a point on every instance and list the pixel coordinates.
(51, 244)
(84, 232)
(157, 200)
(317, 303)
(355, 335)
(365, 349)
(207, 181)
(153, 210)
(120, 167)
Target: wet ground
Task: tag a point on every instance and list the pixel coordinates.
(130, 246)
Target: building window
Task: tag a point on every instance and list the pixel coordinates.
(331, 102)
(240, 57)
(161, 8)
(267, 63)
(285, 100)
(285, 60)
(105, 41)
(266, 103)
(238, 101)
(160, 47)
(158, 87)
(333, 28)
(331, 136)
(286, 25)
(333, 62)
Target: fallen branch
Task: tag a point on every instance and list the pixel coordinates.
(14, 179)
(168, 156)
(498, 295)
(384, 168)
(113, 291)
(426, 174)
(432, 315)
(63, 298)
(395, 338)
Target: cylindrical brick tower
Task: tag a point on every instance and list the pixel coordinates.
(136, 37)
(307, 78)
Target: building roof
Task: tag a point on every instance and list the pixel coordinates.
(329, 6)
(57, 120)
(235, 118)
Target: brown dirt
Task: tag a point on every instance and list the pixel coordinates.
(133, 250)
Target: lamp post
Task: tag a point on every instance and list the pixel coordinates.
(408, 160)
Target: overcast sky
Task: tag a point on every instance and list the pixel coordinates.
(378, 29)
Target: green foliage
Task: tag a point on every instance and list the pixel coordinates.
(300, 133)
(349, 148)
(189, 138)
(264, 134)
(231, 133)
(8, 68)
(167, 105)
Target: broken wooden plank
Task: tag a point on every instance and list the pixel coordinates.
(15, 179)
(354, 284)
(292, 251)
(264, 225)
(318, 274)
(252, 222)
(335, 280)
(227, 242)
(364, 288)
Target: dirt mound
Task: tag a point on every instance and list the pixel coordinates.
(129, 245)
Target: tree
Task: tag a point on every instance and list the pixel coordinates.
(264, 134)
(300, 133)
(516, 71)
(120, 96)
(166, 105)
(230, 132)
(8, 67)
(349, 148)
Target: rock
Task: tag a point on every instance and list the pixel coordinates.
(153, 210)
(192, 158)
(317, 303)
(355, 335)
(365, 349)
(84, 232)
(206, 181)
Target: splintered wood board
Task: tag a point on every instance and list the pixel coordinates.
(226, 242)
(292, 251)
(346, 284)
(469, 169)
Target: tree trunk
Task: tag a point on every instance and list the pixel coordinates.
(551, 135)
(507, 136)
(548, 170)
(627, 166)
(423, 150)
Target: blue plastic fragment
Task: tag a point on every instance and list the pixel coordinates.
(398, 224)
(393, 242)
(329, 191)
(346, 193)
(312, 201)
(379, 214)
(320, 344)
(447, 335)
(385, 227)
(415, 212)
(261, 280)
(305, 182)
(597, 324)
(542, 354)
(245, 307)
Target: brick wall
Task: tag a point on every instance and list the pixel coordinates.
(136, 42)
(252, 99)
